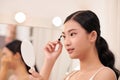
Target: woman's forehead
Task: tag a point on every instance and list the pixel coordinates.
(6, 50)
(71, 26)
(72, 23)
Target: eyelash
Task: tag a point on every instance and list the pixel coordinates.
(71, 34)
(63, 36)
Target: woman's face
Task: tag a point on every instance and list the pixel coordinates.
(7, 57)
(76, 39)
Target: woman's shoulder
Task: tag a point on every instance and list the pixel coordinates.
(106, 73)
(12, 77)
(70, 74)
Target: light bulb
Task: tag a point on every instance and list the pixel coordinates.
(57, 21)
(20, 17)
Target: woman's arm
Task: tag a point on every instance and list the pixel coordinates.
(51, 55)
(4, 68)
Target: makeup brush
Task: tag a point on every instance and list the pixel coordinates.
(60, 38)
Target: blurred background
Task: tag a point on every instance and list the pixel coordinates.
(40, 21)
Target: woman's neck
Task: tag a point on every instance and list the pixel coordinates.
(90, 62)
(21, 71)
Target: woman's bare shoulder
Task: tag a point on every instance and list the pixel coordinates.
(70, 74)
(12, 77)
(106, 74)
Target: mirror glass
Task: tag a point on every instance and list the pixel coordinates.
(28, 53)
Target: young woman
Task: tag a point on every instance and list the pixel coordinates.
(12, 60)
(83, 41)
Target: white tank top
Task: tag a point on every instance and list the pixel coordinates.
(92, 78)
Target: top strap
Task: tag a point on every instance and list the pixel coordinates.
(70, 75)
(97, 72)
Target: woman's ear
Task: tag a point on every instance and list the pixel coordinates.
(93, 36)
(17, 55)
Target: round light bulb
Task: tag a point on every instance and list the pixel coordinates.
(57, 21)
(20, 17)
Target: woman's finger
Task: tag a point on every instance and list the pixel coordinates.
(50, 47)
(52, 44)
(34, 73)
(59, 50)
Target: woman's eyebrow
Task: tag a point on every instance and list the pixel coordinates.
(63, 33)
(71, 30)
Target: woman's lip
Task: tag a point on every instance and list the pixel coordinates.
(70, 50)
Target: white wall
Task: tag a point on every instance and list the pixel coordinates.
(23, 33)
(3, 30)
(38, 12)
(118, 35)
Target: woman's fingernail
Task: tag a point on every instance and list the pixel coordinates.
(31, 71)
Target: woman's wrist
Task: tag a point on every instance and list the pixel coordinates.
(47, 67)
(50, 59)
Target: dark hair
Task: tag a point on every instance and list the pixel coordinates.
(15, 46)
(90, 22)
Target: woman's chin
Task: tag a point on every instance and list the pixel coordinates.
(73, 57)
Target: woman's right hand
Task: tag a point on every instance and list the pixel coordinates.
(50, 50)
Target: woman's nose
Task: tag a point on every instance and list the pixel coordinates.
(67, 42)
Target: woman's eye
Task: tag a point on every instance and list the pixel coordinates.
(72, 34)
(63, 36)
(3, 54)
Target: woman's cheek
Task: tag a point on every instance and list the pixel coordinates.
(9, 58)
